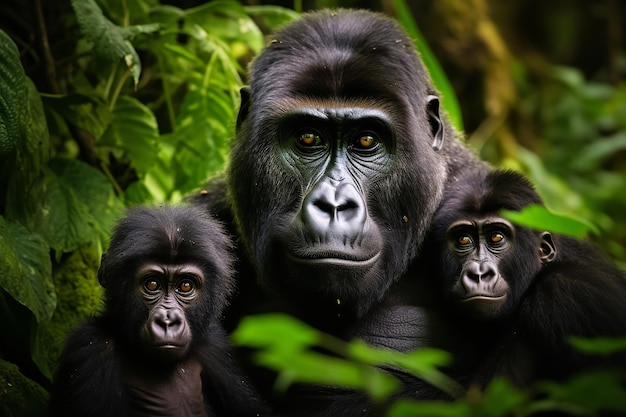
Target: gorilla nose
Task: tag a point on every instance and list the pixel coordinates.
(477, 272)
(167, 323)
(334, 208)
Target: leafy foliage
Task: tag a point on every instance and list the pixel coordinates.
(291, 348)
(582, 144)
(141, 110)
(540, 218)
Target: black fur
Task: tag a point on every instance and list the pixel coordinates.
(335, 73)
(105, 359)
(578, 293)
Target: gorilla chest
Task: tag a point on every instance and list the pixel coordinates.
(168, 392)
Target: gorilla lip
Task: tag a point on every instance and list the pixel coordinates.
(333, 257)
(484, 298)
(169, 346)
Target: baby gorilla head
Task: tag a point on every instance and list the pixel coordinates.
(488, 263)
(167, 275)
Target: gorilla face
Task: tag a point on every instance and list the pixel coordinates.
(487, 264)
(335, 174)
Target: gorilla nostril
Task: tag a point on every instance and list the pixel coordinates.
(473, 277)
(324, 206)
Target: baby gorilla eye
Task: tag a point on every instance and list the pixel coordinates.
(464, 240)
(309, 139)
(184, 287)
(151, 284)
(497, 238)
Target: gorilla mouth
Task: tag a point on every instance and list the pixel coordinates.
(484, 297)
(333, 256)
(169, 346)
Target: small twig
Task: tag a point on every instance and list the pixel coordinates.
(45, 49)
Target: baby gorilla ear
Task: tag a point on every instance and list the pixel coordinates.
(547, 249)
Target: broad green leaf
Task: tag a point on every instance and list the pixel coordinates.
(125, 12)
(227, 21)
(56, 214)
(272, 17)
(412, 408)
(26, 270)
(440, 80)
(540, 218)
(133, 130)
(269, 330)
(587, 391)
(422, 363)
(35, 143)
(205, 125)
(132, 31)
(109, 43)
(501, 398)
(13, 94)
(93, 190)
(70, 204)
(599, 345)
(315, 368)
(91, 114)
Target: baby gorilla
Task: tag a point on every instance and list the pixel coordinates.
(512, 295)
(158, 349)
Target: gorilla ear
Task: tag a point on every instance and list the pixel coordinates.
(436, 124)
(101, 271)
(547, 250)
(244, 106)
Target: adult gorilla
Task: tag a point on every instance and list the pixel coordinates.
(340, 160)
(339, 163)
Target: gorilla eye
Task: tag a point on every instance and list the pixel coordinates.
(310, 139)
(184, 286)
(151, 285)
(497, 238)
(464, 240)
(366, 141)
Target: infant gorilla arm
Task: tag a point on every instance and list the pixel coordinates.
(158, 348)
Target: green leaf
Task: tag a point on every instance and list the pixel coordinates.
(412, 408)
(69, 205)
(422, 363)
(13, 94)
(540, 218)
(94, 191)
(272, 17)
(501, 398)
(315, 368)
(133, 130)
(124, 11)
(440, 80)
(109, 43)
(269, 330)
(227, 21)
(205, 125)
(599, 345)
(57, 215)
(588, 393)
(26, 270)
(284, 344)
(91, 114)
